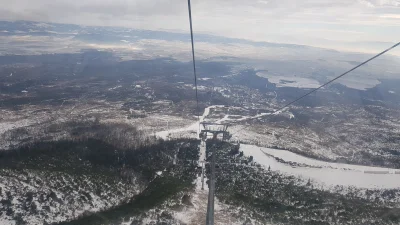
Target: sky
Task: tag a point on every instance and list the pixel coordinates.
(349, 25)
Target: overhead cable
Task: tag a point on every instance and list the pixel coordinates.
(325, 84)
(194, 61)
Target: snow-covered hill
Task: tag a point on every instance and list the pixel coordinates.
(39, 196)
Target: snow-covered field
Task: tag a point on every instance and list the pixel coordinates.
(325, 173)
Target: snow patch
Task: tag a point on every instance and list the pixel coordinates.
(201, 88)
(116, 87)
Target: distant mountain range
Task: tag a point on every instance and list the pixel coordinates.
(116, 34)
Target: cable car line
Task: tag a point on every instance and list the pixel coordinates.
(341, 75)
(194, 61)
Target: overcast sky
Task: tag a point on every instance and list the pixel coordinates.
(341, 24)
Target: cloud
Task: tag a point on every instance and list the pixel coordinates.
(288, 21)
(391, 16)
(384, 3)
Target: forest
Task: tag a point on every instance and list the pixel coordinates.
(63, 178)
(271, 196)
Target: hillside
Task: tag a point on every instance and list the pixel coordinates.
(47, 182)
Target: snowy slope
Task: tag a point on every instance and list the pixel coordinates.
(39, 196)
(293, 157)
(330, 174)
(195, 127)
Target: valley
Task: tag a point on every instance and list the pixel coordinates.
(98, 133)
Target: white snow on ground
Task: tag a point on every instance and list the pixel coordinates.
(230, 120)
(202, 157)
(392, 92)
(6, 222)
(164, 134)
(204, 78)
(116, 87)
(193, 127)
(5, 126)
(338, 174)
(207, 111)
(197, 213)
(293, 157)
(200, 88)
(102, 197)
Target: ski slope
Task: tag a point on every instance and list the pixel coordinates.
(192, 127)
(329, 174)
(196, 126)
